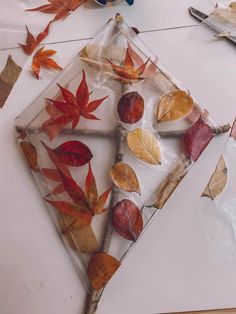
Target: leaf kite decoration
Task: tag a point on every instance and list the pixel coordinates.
(32, 42)
(196, 139)
(144, 146)
(130, 107)
(101, 268)
(31, 155)
(8, 78)
(127, 220)
(174, 105)
(127, 71)
(71, 109)
(217, 181)
(124, 177)
(61, 8)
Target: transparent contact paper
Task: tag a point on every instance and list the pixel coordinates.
(107, 143)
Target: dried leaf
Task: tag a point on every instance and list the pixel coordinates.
(124, 177)
(217, 181)
(52, 174)
(130, 107)
(101, 268)
(174, 105)
(31, 155)
(233, 5)
(73, 153)
(101, 201)
(91, 188)
(8, 78)
(58, 189)
(144, 146)
(196, 139)
(127, 220)
(233, 130)
(42, 59)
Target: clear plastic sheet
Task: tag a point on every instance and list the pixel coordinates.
(160, 148)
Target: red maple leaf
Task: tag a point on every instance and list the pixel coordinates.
(70, 109)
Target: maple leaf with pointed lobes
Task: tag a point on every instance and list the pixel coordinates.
(42, 59)
(127, 71)
(70, 109)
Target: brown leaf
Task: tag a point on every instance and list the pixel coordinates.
(144, 145)
(233, 5)
(217, 181)
(130, 107)
(30, 154)
(101, 268)
(124, 177)
(8, 78)
(174, 105)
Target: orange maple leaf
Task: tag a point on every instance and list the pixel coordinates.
(42, 59)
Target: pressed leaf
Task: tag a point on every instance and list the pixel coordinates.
(8, 78)
(58, 189)
(91, 188)
(130, 107)
(73, 153)
(217, 181)
(127, 220)
(144, 146)
(52, 174)
(124, 177)
(101, 201)
(30, 154)
(174, 105)
(101, 268)
(233, 5)
(233, 130)
(196, 139)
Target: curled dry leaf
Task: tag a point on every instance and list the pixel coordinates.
(31, 155)
(127, 220)
(174, 105)
(101, 268)
(196, 138)
(144, 145)
(130, 107)
(217, 181)
(124, 177)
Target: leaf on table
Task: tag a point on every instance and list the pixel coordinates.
(31, 155)
(101, 268)
(124, 177)
(173, 106)
(73, 153)
(130, 107)
(42, 59)
(127, 220)
(70, 109)
(8, 78)
(196, 138)
(32, 42)
(144, 146)
(217, 181)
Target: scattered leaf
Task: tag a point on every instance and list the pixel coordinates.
(217, 181)
(31, 155)
(130, 107)
(196, 139)
(73, 153)
(174, 105)
(124, 177)
(101, 268)
(143, 145)
(42, 59)
(127, 220)
(8, 78)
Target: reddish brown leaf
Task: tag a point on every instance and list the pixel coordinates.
(42, 59)
(30, 154)
(91, 188)
(82, 94)
(127, 220)
(196, 139)
(73, 153)
(101, 201)
(52, 174)
(101, 268)
(130, 107)
(58, 189)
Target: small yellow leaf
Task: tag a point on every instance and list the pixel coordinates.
(124, 177)
(217, 181)
(233, 5)
(144, 145)
(174, 105)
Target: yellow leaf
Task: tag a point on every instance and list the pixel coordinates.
(124, 177)
(217, 181)
(144, 145)
(233, 5)
(174, 105)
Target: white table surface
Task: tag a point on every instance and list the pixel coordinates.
(168, 270)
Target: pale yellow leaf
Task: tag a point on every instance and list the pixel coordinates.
(143, 144)
(233, 5)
